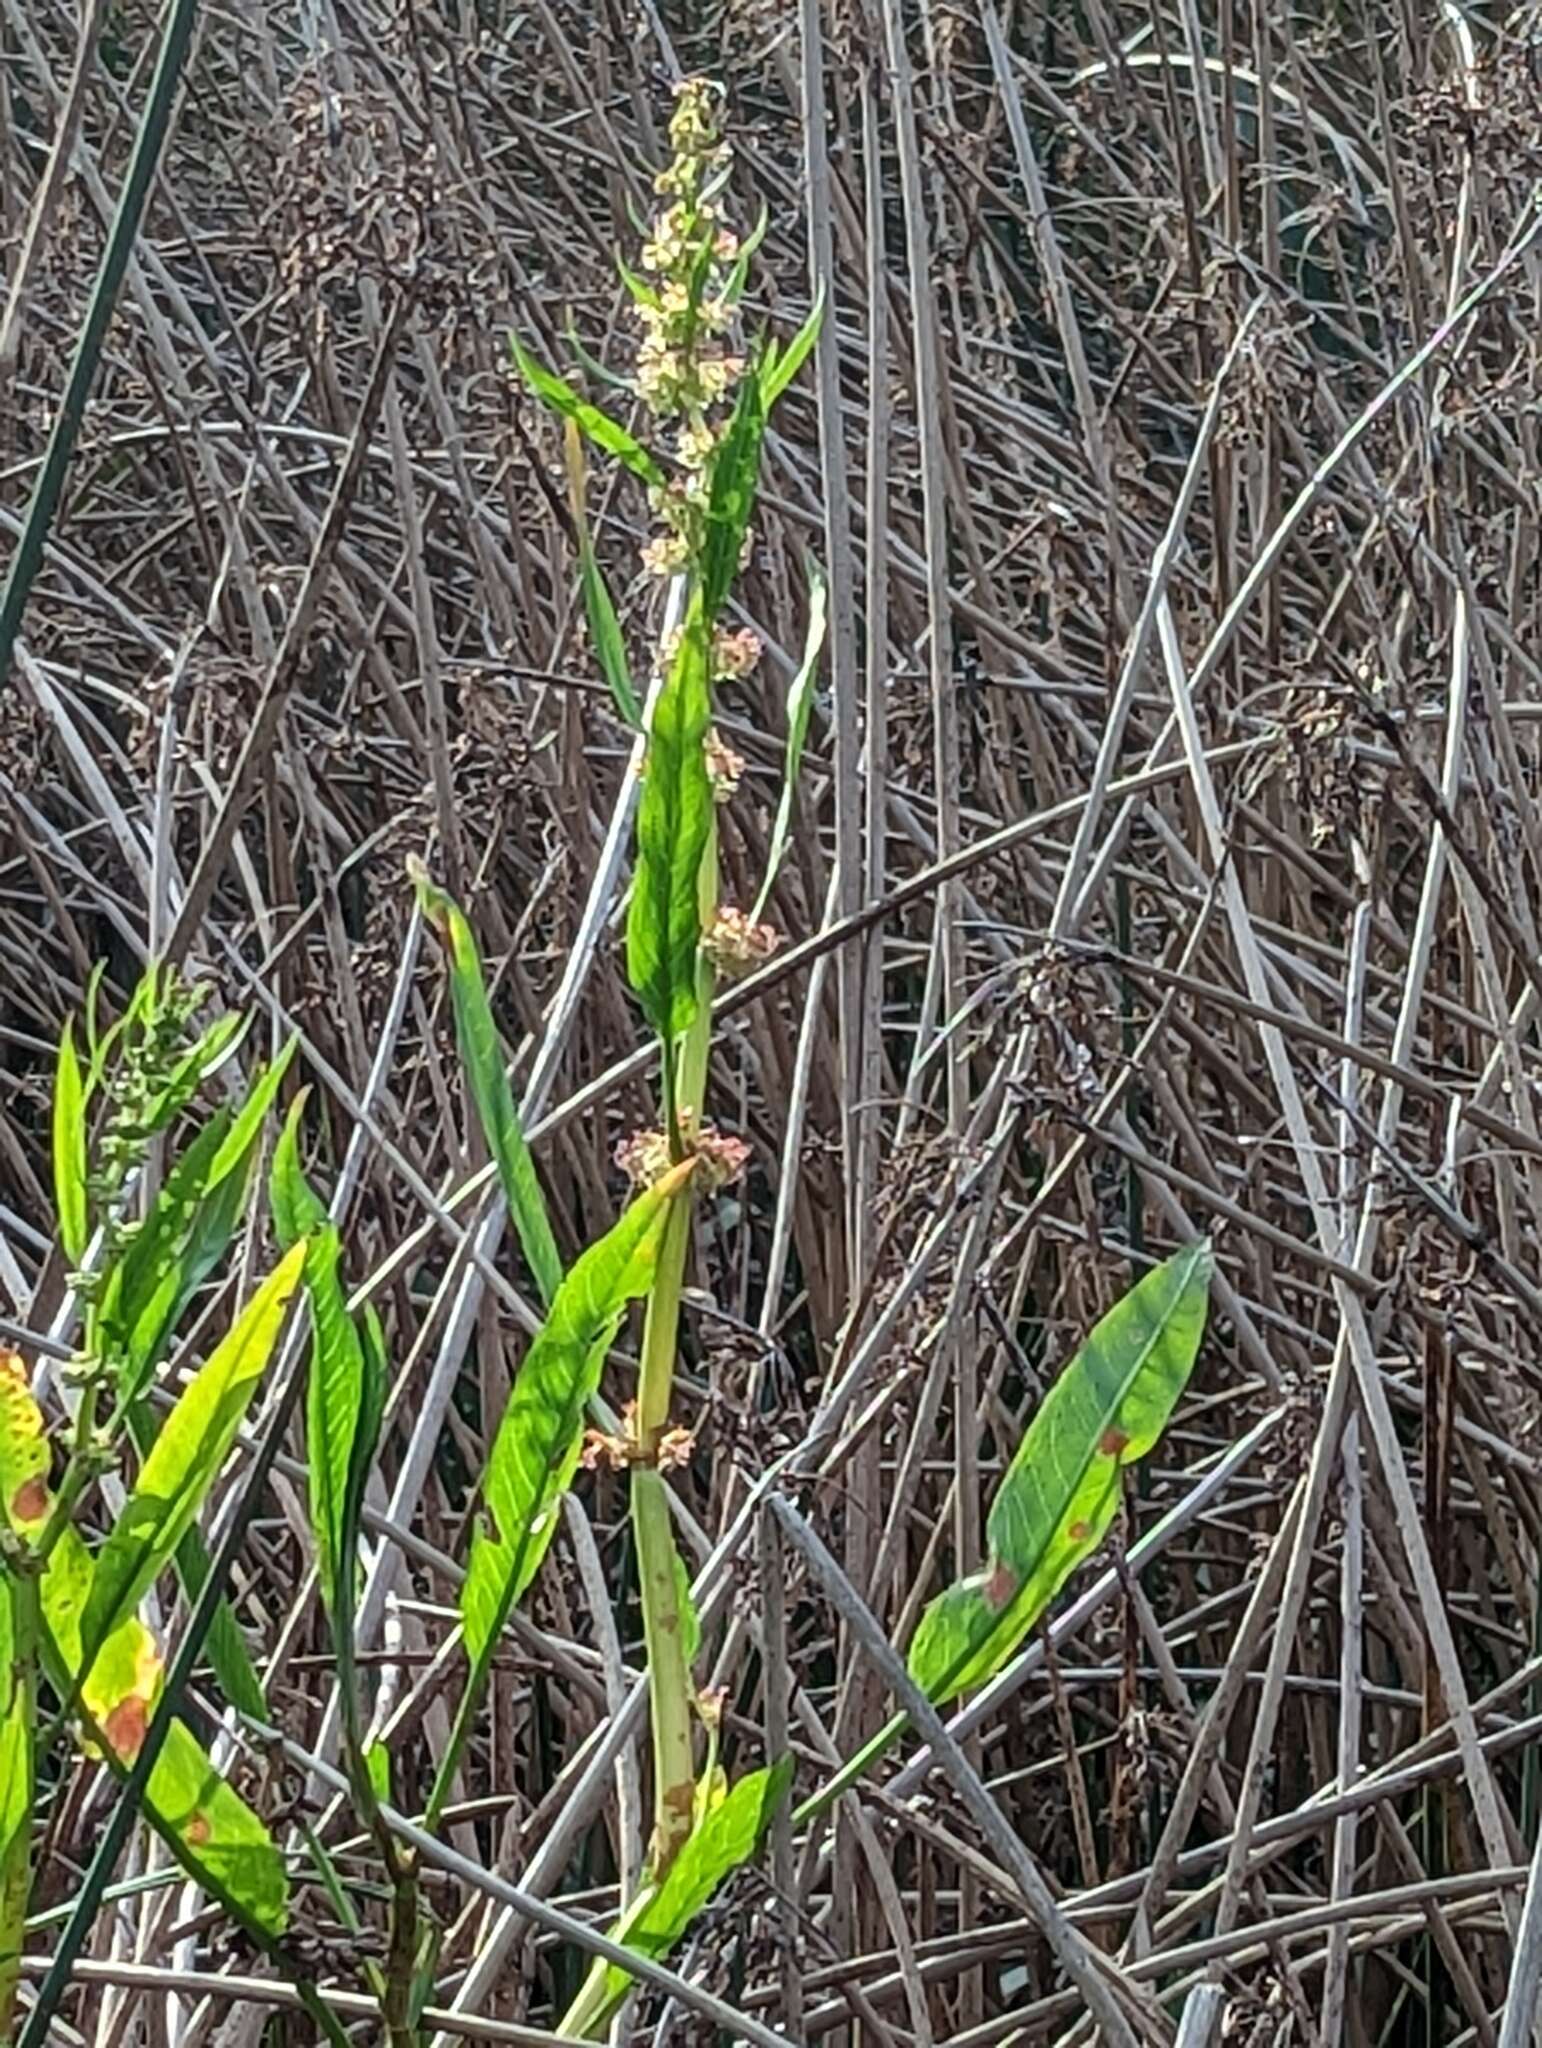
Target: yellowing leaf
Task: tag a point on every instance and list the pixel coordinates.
(123, 1686)
(24, 1494)
(215, 1833)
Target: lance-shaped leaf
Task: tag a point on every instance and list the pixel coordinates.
(731, 500)
(728, 1836)
(188, 1231)
(181, 1465)
(782, 365)
(605, 632)
(481, 1055)
(800, 703)
(345, 1396)
(539, 1439)
(215, 1834)
(604, 627)
(674, 817)
(69, 1149)
(334, 1416)
(1061, 1491)
(597, 426)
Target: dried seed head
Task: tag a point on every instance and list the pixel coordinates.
(736, 945)
(725, 768)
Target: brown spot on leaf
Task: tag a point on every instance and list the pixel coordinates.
(1079, 1531)
(1001, 1583)
(29, 1503)
(125, 1727)
(1112, 1442)
(198, 1830)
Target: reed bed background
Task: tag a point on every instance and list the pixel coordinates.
(1167, 860)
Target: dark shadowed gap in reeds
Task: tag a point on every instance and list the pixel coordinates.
(1129, 691)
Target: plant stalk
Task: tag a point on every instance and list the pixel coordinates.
(670, 1693)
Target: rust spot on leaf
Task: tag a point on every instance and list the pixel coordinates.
(1112, 1442)
(1079, 1531)
(198, 1830)
(125, 1727)
(29, 1503)
(1000, 1584)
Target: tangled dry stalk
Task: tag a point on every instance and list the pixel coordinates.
(1169, 859)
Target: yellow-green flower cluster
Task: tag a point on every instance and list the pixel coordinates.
(686, 371)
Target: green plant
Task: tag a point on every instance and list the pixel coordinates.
(1061, 1491)
(77, 1653)
(72, 1639)
(708, 399)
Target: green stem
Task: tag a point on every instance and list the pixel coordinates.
(600, 1994)
(670, 1693)
(402, 1950)
(661, 1327)
(449, 1763)
(821, 1801)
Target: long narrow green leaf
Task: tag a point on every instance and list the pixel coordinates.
(482, 1057)
(674, 816)
(782, 365)
(189, 1229)
(537, 1446)
(298, 1211)
(598, 426)
(731, 502)
(605, 632)
(345, 1390)
(246, 1127)
(800, 703)
(604, 626)
(1061, 1491)
(187, 1454)
(226, 1645)
(728, 1837)
(135, 1286)
(69, 1143)
(334, 1405)
(482, 1054)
